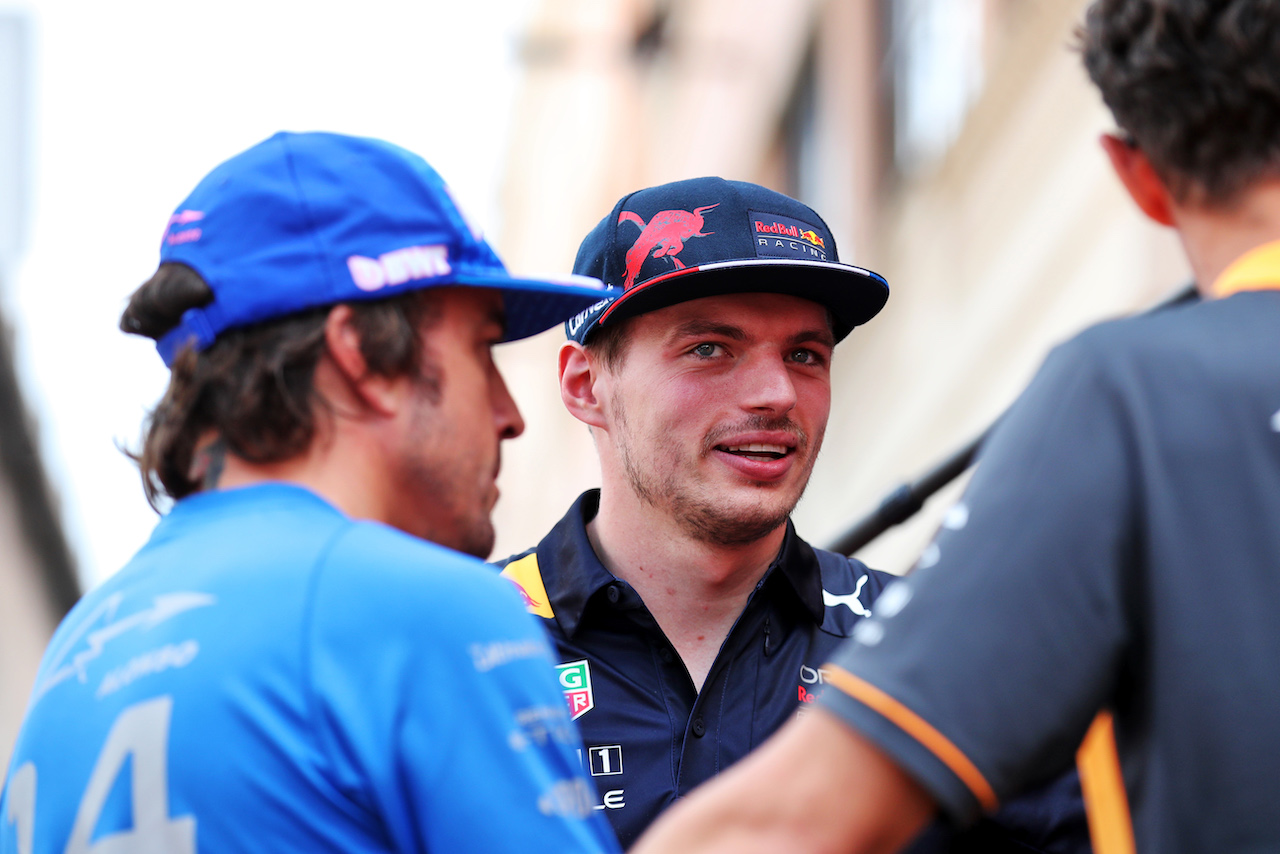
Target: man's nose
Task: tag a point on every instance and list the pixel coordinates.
(506, 415)
(770, 386)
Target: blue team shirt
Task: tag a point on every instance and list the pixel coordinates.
(270, 675)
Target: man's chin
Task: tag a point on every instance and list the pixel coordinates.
(475, 538)
(480, 541)
(727, 523)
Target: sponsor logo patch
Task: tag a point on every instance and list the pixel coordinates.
(779, 236)
(182, 234)
(487, 656)
(575, 681)
(580, 319)
(606, 760)
(849, 600)
(567, 799)
(813, 677)
(540, 725)
(402, 265)
(614, 799)
(527, 578)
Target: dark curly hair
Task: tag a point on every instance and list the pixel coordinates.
(252, 388)
(1196, 84)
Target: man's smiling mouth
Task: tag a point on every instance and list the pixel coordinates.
(756, 450)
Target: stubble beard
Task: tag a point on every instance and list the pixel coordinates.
(694, 510)
(459, 518)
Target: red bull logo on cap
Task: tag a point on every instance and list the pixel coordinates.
(575, 681)
(778, 236)
(813, 238)
(664, 236)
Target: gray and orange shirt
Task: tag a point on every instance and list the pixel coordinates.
(1117, 551)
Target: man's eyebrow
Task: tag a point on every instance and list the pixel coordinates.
(821, 336)
(699, 326)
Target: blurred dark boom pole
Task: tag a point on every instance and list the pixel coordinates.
(906, 500)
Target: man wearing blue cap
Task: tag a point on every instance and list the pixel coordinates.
(279, 668)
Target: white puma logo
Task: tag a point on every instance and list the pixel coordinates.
(849, 600)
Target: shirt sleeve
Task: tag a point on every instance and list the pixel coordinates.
(437, 708)
(980, 673)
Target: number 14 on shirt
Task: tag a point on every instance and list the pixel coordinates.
(140, 731)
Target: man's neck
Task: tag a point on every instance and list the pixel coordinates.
(325, 468)
(1215, 236)
(695, 590)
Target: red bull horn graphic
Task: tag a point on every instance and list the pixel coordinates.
(529, 602)
(664, 236)
(812, 237)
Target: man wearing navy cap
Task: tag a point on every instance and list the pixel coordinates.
(1111, 594)
(279, 668)
(690, 618)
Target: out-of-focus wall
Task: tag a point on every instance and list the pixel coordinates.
(28, 614)
(980, 193)
(37, 580)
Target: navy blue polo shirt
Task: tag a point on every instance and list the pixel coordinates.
(650, 736)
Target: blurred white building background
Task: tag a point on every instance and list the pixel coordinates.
(37, 579)
(950, 144)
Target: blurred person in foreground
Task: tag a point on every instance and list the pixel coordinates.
(1118, 549)
(691, 620)
(279, 668)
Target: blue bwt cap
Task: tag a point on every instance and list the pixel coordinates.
(707, 237)
(312, 219)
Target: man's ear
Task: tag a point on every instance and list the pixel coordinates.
(578, 376)
(1139, 178)
(378, 393)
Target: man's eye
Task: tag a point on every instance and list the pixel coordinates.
(706, 350)
(805, 357)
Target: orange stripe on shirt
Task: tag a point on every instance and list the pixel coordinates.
(918, 728)
(1110, 826)
(1256, 270)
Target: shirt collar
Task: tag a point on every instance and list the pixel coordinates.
(573, 574)
(798, 563)
(1256, 270)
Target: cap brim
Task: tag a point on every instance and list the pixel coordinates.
(536, 305)
(853, 295)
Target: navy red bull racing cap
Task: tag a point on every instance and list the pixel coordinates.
(312, 219)
(708, 236)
